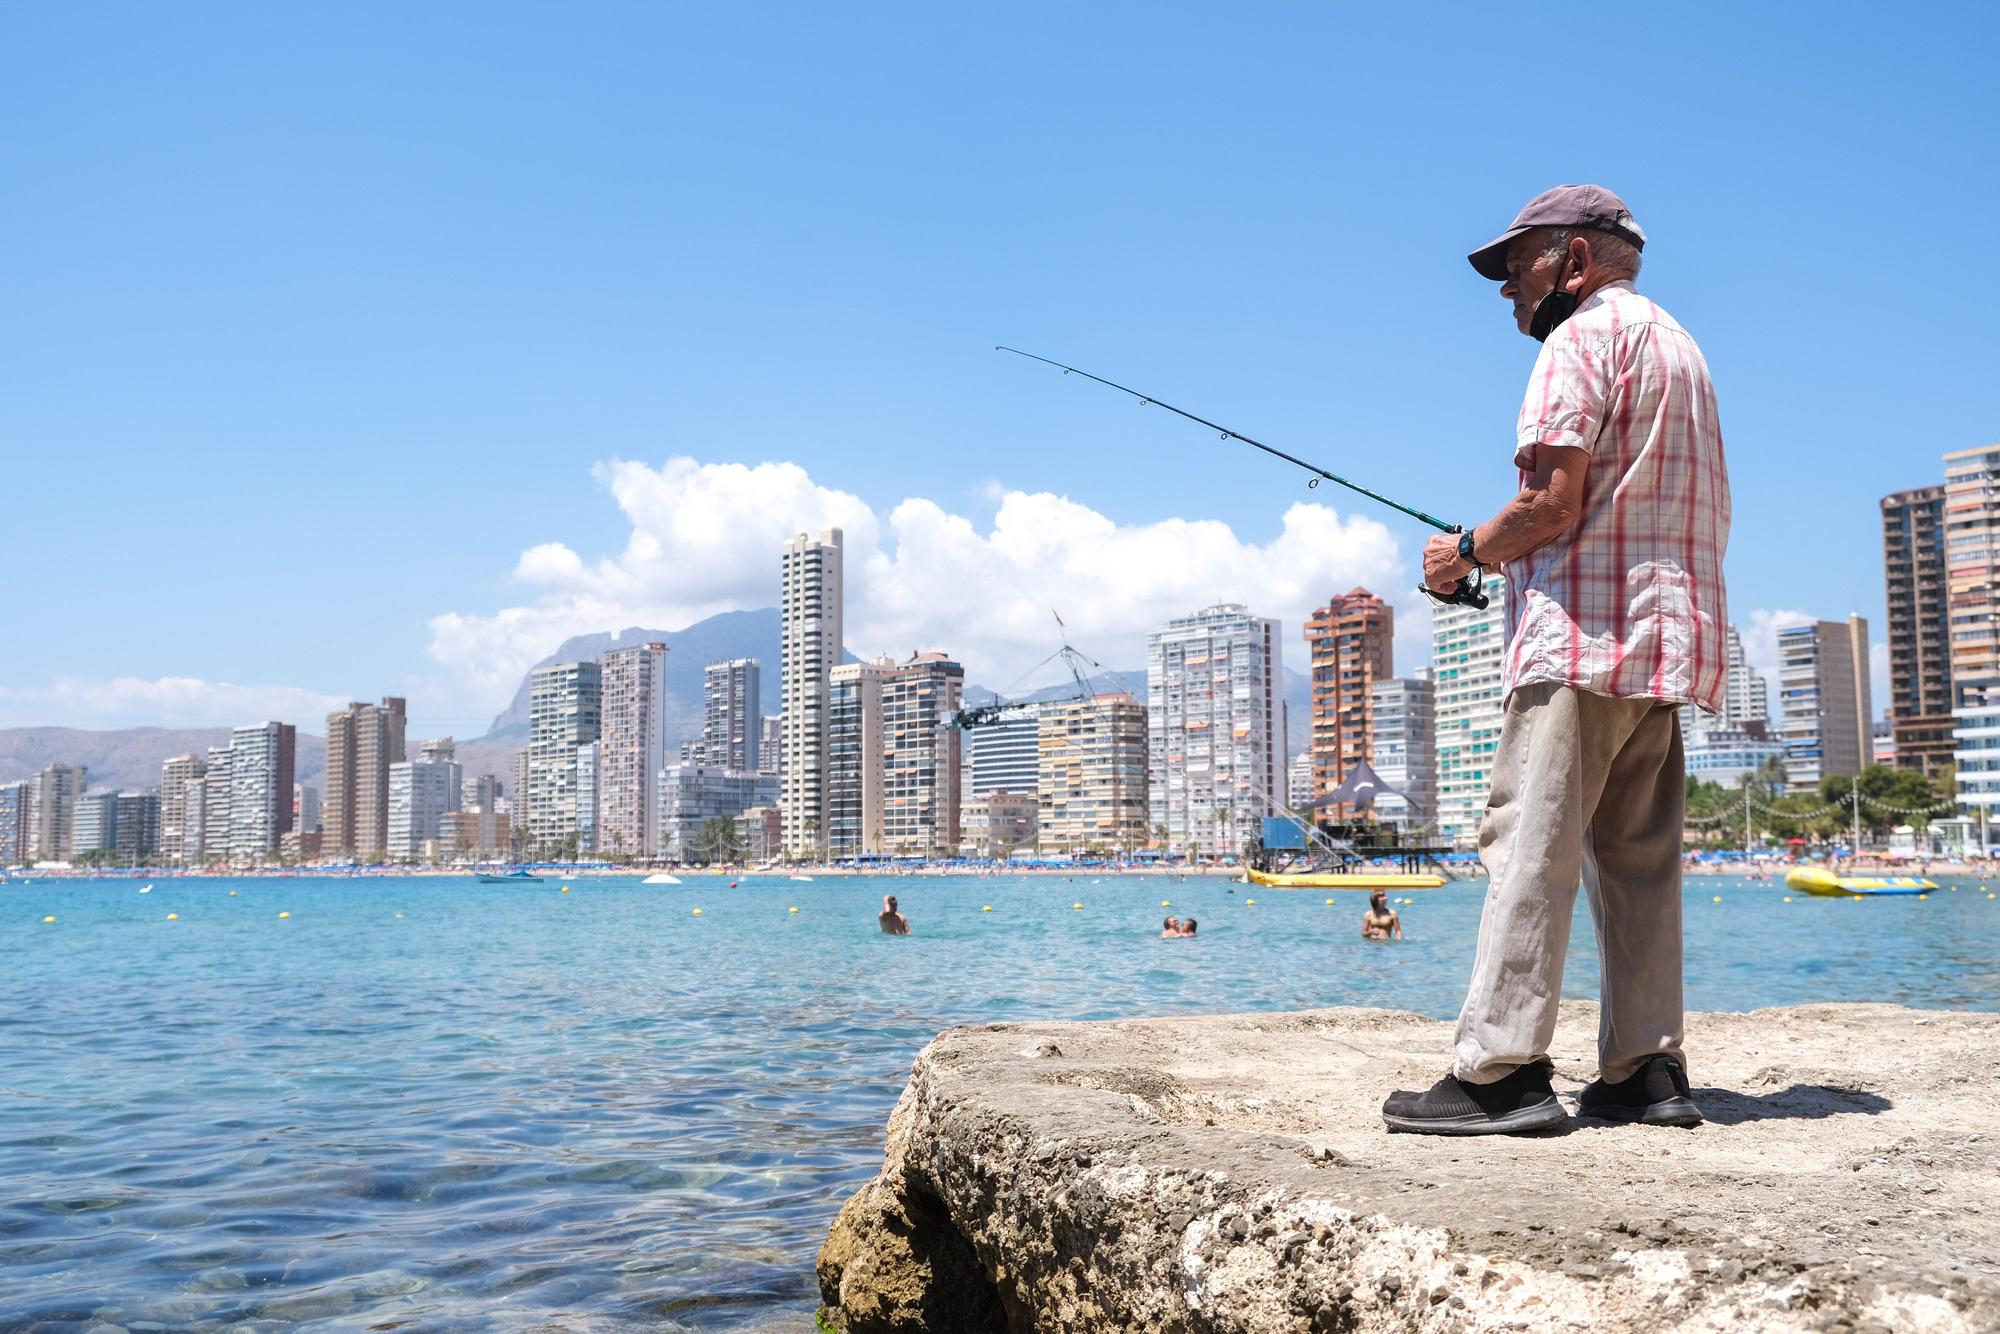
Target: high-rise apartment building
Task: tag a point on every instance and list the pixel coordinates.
(1823, 699)
(175, 775)
(1299, 781)
(921, 756)
(1215, 742)
(854, 759)
(1746, 703)
(810, 648)
(589, 796)
(1090, 792)
(1467, 657)
(1349, 644)
(306, 808)
(262, 760)
(94, 827)
(1405, 749)
(421, 792)
(565, 713)
(480, 794)
(1006, 754)
(362, 741)
(693, 794)
(138, 827)
(17, 814)
(731, 727)
(212, 817)
(1972, 563)
(58, 789)
(771, 744)
(1913, 566)
(631, 751)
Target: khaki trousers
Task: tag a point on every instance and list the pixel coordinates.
(1586, 788)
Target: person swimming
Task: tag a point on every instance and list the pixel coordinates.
(1381, 920)
(1187, 927)
(1170, 928)
(893, 922)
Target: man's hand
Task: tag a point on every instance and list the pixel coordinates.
(1443, 566)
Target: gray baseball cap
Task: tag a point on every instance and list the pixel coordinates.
(1587, 207)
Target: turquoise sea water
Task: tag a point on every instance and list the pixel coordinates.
(441, 1104)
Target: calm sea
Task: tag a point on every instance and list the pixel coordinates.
(432, 1103)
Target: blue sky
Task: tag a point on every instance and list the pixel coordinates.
(316, 320)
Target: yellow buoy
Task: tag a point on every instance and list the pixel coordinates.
(1249, 903)
(791, 910)
(173, 917)
(284, 914)
(1922, 897)
(697, 912)
(1329, 903)
(1166, 903)
(48, 919)
(232, 893)
(1718, 898)
(987, 908)
(399, 914)
(565, 889)
(1076, 905)
(1788, 898)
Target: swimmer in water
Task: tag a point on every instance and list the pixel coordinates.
(1170, 928)
(1187, 927)
(1381, 920)
(893, 922)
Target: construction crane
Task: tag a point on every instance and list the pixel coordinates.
(1079, 663)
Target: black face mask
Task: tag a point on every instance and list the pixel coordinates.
(1552, 309)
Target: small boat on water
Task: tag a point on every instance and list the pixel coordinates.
(660, 878)
(1824, 883)
(1368, 880)
(510, 878)
(802, 877)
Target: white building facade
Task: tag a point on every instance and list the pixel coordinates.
(1215, 718)
(810, 648)
(1467, 654)
(631, 751)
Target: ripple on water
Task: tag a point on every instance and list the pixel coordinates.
(592, 1119)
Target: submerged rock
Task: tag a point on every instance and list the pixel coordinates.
(1231, 1174)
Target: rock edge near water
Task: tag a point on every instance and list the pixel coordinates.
(1231, 1174)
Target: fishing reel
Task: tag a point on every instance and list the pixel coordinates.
(1467, 594)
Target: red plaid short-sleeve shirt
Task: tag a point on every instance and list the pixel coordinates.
(1629, 602)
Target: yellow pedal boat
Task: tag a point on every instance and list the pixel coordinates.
(1817, 880)
(1369, 880)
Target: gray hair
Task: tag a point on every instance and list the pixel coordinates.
(1614, 254)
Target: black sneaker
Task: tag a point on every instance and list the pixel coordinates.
(1521, 1101)
(1654, 1095)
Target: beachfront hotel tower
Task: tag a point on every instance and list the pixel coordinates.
(731, 727)
(421, 792)
(631, 751)
(1913, 568)
(1215, 745)
(1349, 648)
(854, 758)
(1403, 713)
(565, 714)
(58, 790)
(262, 759)
(809, 650)
(362, 741)
(176, 776)
(1823, 700)
(1090, 791)
(921, 756)
(1467, 654)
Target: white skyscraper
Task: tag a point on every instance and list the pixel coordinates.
(1405, 754)
(1215, 714)
(261, 759)
(421, 793)
(854, 758)
(631, 751)
(1006, 754)
(565, 712)
(810, 650)
(731, 727)
(1467, 653)
(175, 776)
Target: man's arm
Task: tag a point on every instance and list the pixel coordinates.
(1546, 507)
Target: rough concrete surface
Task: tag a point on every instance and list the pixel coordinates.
(1232, 1174)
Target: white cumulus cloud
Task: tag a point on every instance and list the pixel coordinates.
(167, 701)
(705, 538)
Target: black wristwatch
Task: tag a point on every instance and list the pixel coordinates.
(1465, 551)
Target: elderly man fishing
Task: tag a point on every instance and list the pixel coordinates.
(1612, 550)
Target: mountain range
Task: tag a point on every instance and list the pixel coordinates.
(131, 757)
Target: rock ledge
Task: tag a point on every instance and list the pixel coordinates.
(1231, 1174)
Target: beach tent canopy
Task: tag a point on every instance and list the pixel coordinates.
(1359, 789)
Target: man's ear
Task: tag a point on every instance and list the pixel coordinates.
(1580, 260)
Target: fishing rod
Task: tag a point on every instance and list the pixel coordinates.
(1467, 594)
